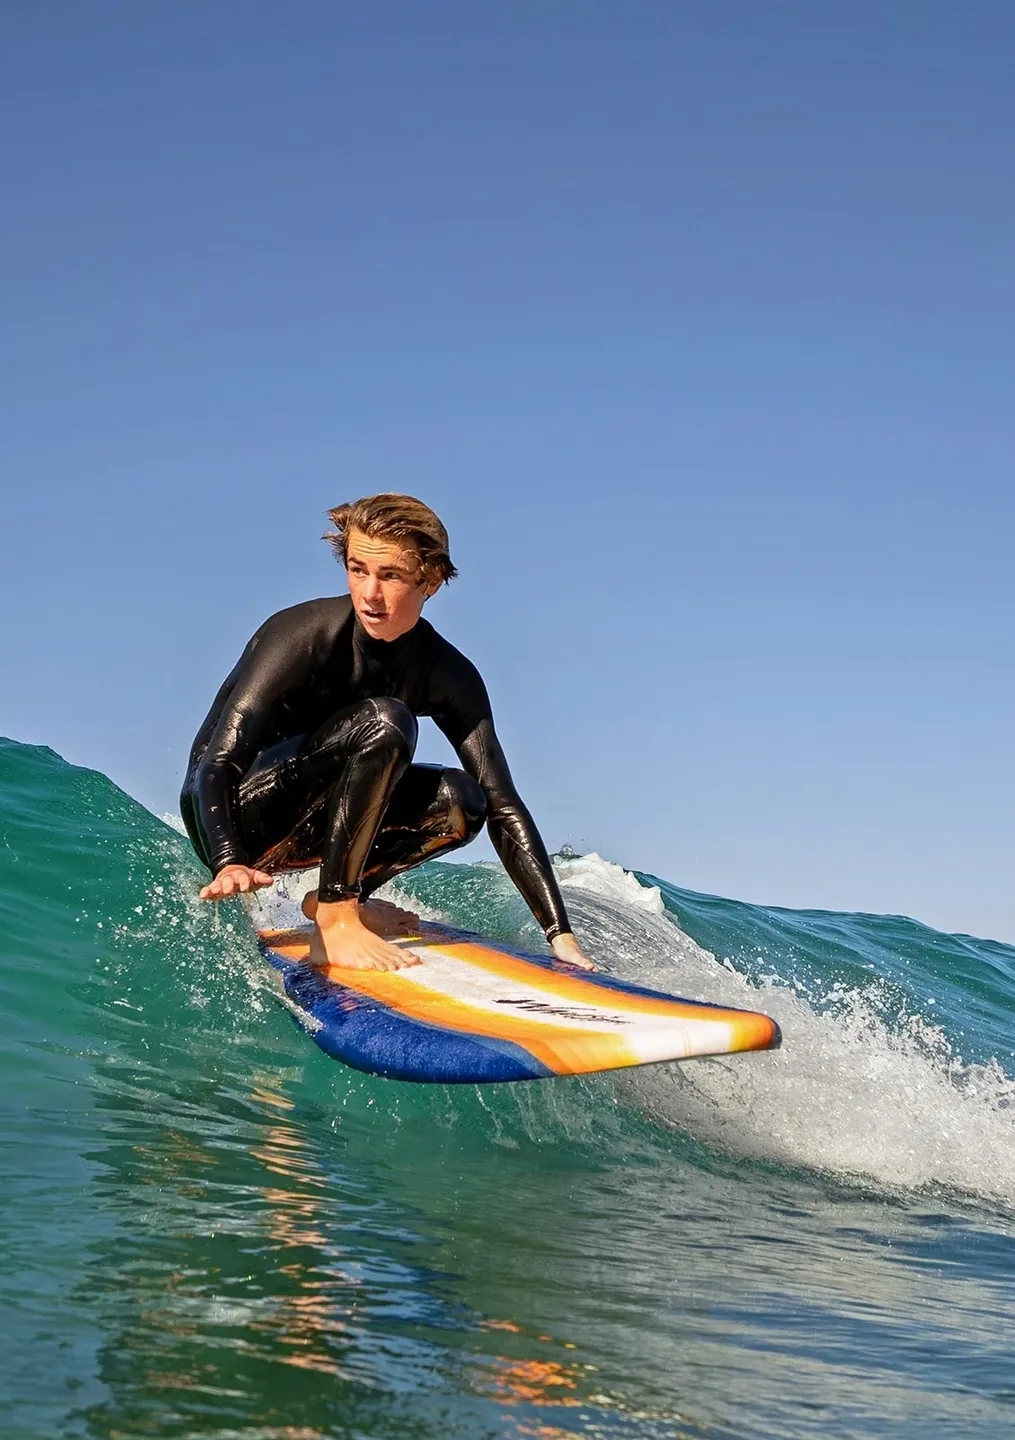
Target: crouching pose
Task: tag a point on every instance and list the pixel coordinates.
(306, 754)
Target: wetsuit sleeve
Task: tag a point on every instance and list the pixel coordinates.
(465, 717)
(272, 664)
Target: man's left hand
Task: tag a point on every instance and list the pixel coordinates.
(566, 948)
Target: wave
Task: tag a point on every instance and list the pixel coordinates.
(894, 1068)
(867, 1083)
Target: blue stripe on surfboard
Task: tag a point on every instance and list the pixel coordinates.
(364, 1033)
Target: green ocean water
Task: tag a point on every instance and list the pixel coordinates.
(210, 1229)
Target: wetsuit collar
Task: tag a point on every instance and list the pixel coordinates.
(388, 650)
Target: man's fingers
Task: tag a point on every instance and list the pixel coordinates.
(233, 882)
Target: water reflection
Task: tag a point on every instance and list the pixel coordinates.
(403, 1276)
(252, 1282)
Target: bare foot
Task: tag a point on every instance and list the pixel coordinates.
(341, 941)
(380, 916)
(383, 918)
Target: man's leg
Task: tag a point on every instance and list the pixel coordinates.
(292, 792)
(432, 810)
(321, 797)
(316, 799)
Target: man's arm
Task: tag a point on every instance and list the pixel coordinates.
(513, 830)
(273, 662)
(465, 717)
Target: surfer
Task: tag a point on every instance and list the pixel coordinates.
(306, 754)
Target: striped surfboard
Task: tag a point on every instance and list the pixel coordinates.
(474, 1011)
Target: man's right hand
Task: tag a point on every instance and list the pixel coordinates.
(234, 880)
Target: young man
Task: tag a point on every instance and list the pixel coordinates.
(306, 753)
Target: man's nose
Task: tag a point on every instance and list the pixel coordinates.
(371, 588)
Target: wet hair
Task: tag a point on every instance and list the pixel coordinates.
(395, 517)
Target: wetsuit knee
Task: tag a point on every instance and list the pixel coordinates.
(393, 726)
(374, 725)
(466, 802)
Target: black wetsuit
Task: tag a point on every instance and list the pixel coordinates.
(305, 756)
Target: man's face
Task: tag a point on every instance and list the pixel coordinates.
(386, 585)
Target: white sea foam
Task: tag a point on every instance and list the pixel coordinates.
(845, 1094)
(602, 877)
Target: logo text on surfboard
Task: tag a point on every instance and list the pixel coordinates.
(563, 1012)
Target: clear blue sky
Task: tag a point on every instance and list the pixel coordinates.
(695, 321)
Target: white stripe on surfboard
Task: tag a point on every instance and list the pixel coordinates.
(444, 976)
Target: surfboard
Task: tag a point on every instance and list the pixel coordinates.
(475, 1012)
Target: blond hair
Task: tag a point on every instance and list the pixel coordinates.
(395, 517)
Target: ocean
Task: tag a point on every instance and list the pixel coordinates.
(211, 1229)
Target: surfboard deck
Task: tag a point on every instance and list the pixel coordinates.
(475, 1011)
